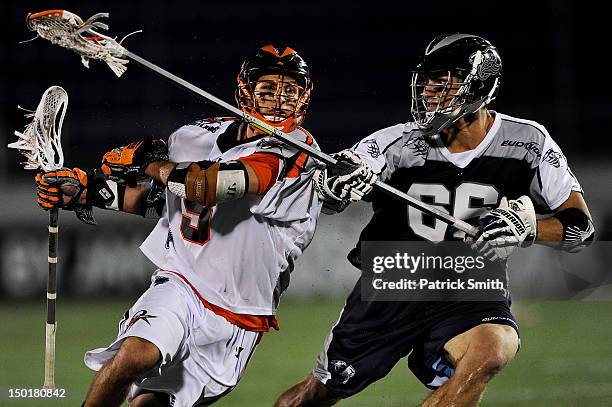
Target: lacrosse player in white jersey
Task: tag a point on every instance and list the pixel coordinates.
(467, 160)
(236, 208)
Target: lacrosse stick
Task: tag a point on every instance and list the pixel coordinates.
(40, 144)
(69, 31)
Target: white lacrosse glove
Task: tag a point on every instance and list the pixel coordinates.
(512, 224)
(348, 181)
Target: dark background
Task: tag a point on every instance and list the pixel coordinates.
(360, 57)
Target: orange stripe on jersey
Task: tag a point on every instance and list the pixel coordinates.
(297, 168)
(254, 323)
(266, 168)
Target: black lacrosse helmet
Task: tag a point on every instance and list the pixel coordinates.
(274, 60)
(470, 59)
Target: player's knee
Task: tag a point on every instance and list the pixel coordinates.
(496, 349)
(309, 393)
(491, 364)
(135, 356)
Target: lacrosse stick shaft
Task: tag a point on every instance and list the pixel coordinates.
(51, 296)
(319, 155)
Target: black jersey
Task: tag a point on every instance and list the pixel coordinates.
(516, 157)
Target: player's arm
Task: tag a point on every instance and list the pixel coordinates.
(72, 188)
(514, 223)
(553, 186)
(119, 186)
(571, 224)
(209, 183)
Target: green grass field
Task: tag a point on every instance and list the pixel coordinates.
(566, 358)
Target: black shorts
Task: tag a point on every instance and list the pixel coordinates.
(371, 337)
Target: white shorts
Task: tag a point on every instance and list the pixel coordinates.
(203, 355)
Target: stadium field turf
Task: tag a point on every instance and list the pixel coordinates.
(565, 359)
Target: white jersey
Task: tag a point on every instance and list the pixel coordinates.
(238, 255)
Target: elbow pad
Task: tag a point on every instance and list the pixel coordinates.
(578, 229)
(208, 183)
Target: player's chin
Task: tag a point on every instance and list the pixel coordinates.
(276, 115)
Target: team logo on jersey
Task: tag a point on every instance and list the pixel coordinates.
(553, 158)
(343, 370)
(141, 315)
(212, 124)
(418, 145)
(372, 147)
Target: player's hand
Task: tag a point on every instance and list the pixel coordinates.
(61, 188)
(511, 224)
(126, 163)
(348, 181)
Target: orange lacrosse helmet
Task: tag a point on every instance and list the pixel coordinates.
(275, 99)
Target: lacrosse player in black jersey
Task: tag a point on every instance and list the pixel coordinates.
(468, 159)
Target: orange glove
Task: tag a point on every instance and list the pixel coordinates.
(61, 188)
(128, 162)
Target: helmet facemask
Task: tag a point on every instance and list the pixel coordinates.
(438, 99)
(279, 100)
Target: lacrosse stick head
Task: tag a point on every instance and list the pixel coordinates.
(68, 30)
(40, 141)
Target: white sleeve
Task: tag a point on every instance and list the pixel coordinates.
(381, 150)
(175, 149)
(553, 181)
(188, 142)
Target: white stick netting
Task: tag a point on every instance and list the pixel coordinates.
(40, 141)
(68, 30)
